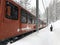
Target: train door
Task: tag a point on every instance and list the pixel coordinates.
(11, 23)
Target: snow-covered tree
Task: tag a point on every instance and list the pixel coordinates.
(33, 10)
(25, 4)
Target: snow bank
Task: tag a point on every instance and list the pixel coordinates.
(56, 24)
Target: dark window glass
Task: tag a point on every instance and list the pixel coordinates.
(26, 17)
(29, 19)
(11, 11)
(23, 16)
(33, 21)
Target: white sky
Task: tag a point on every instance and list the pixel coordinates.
(46, 3)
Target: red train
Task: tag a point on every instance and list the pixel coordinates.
(14, 20)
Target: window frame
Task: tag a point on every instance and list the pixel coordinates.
(23, 13)
(13, 17)
(29, 17)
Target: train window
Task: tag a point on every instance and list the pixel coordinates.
(29, 19)
(26, 17)
(11, 11)
(23, 19)
(23, 16)
(33, 21)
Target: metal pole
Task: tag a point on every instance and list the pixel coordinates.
(37, 13)
(47, 16)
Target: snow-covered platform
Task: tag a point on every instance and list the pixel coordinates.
(42, 37)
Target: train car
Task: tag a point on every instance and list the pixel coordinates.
(14, 20)
(41, 24)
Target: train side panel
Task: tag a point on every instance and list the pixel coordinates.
(27, 27)
(2, 13)
(9, 22)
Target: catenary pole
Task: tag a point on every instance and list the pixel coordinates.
(37, 13)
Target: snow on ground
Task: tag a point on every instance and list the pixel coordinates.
(42, 37)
